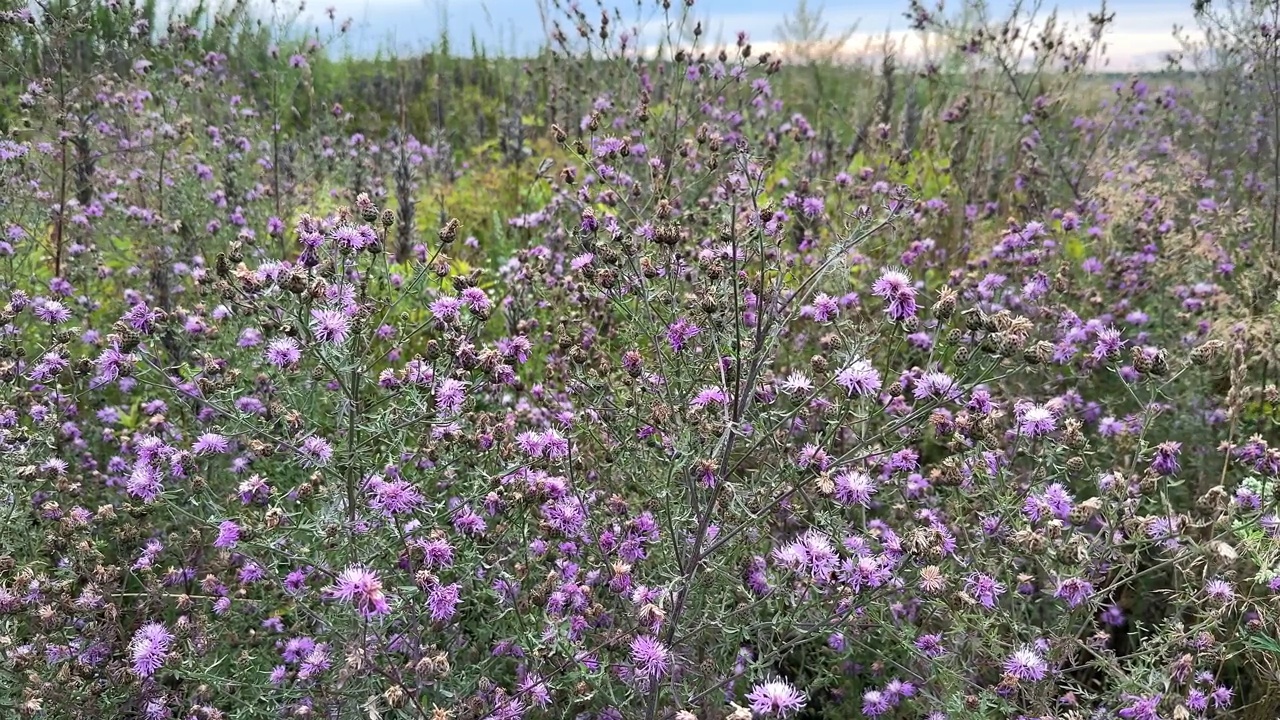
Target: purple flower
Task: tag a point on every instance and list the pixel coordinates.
(812, 207)
(1222, 696)
(330, 326)
(393, 497)
(875, 703)
(51, 311)
(1107, 344)
(984, 589)
(1074, 590)
(1036, 421)
(1141, 707)
(450, 396)
(1027, 665)
(708, 396)
(775, 697)
(446, 309)
(936, 385)
(650, 656)
(681, 332)
(315, 451)
(314, 662)
(361, 587)
(895, 288)
(860, 378)
(149, 647)
(476, 299)
(283, 352)
(825, 308)
(211, 444)
(1165, 460)
(930, 645)
(228, 534)
(443, 601)
(1220, 591)
(854, 488)
(144, 482)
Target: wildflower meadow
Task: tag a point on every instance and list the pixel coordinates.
(650, 376)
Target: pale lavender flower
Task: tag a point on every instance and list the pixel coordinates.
(860, 379)
(361, 587)
(776, 697)
(331, 326)
(1026, 665)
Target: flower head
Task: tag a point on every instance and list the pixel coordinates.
(776, 697)
(1036, 421)
(859, 378)
(443, 601)
(149, 647)
(1027, 665)
(330, 326)
(361, 587)
(228, 534)
(283, 352)
(895, 288)
(650, 656)
(211, 444)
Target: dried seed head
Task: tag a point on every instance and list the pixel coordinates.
(1206, 353)
(1039, 353)
(449, 232)
(1084, 512)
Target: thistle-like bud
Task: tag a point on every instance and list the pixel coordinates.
(1072, 434)
(1083, 512)
(1206, 353)
(449, 232)
(1216, 499)
(1039, 353)
(366, 207)
(946, 303)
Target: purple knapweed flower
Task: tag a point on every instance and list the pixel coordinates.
(1026, 665)
(283, 352)
(330, 326)
(680, 332)
(228, 534)
(361, 587)
(650, 656)
(859, 378)
(149, 647)
(1165, 460)
(775, 697)
(899, 295)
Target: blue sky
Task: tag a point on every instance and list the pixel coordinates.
(1142, 32)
